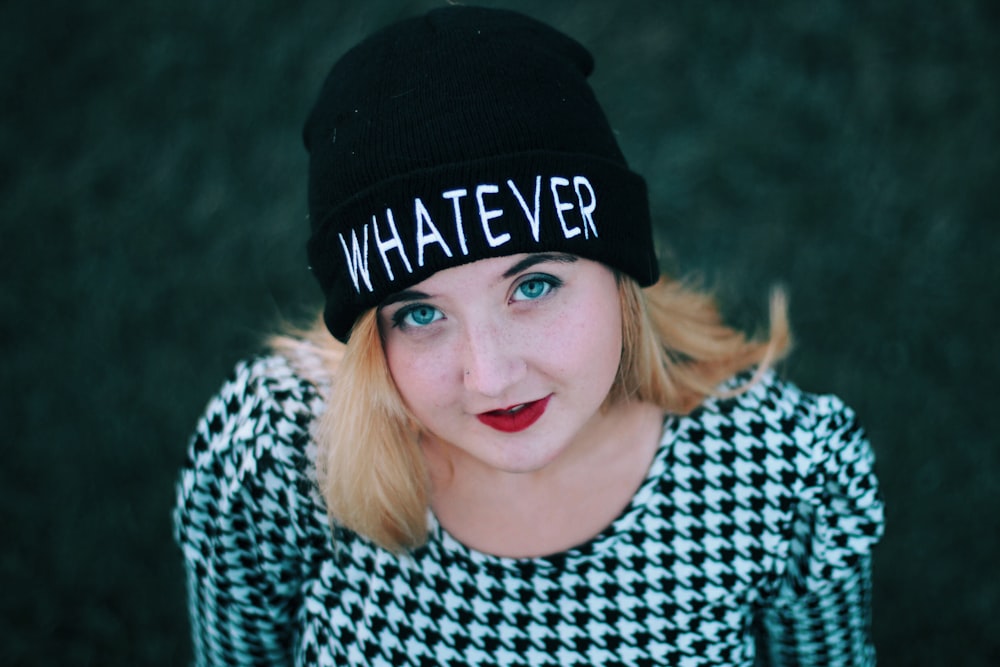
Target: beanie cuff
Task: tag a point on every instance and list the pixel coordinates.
(404, 229)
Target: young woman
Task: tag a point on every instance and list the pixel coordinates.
(509, 441)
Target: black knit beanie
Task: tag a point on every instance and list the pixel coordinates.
(464, 134)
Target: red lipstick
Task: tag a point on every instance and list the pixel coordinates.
(515, 418)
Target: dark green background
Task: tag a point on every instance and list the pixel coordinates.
(153, 221)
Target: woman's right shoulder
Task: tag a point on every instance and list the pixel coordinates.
(264, 402)
(248, 518)
(252, 449)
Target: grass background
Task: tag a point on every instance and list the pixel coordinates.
(153, 222)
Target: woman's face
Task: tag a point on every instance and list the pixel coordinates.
(506, 362)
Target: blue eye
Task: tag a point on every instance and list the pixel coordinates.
(535, 287)
(418, 315)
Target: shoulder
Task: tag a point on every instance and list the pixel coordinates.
(823, 430)
(263, 408)
(251, 454)
(786, 445)
(810, 457)
(775, 409)
(755, 443)
(812, 435)
(248, 517)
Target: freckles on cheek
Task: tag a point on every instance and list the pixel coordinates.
(566, 332)
(419, 378)
(586, 338)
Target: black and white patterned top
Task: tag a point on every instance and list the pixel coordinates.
(749, 540)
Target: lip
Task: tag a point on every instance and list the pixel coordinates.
(511, 422)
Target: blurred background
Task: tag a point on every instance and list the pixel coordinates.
(152, 202)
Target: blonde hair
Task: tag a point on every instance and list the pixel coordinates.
(676, 351)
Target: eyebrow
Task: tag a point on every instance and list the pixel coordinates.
(403, 295)
(532, 260)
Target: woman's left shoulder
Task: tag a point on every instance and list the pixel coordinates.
(814, 445)
(835, 482)
(799, 440)
(773, 403)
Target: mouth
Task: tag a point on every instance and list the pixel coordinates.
(516, 417)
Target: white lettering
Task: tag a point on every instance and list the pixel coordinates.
(556, 182)
(586, 210)
(424, 239)
(357, 259)
(392, 243)
(454, 196)
(533, 219)
(485, 215)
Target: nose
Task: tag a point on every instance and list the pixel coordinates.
(492, 361)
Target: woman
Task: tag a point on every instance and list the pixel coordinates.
(508, 442)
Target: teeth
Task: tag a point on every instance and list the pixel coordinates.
(510, 411)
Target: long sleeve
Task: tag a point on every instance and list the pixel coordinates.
(247, 518)
(821, 614)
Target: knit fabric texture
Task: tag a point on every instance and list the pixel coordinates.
(463, 134)
(747, 544)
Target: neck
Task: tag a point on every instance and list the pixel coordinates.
(562, 505)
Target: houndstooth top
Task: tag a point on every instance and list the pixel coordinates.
(749, 540)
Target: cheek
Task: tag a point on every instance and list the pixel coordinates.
(586, 341)
(603, 350)
(421, 379)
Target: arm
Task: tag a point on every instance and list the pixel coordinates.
(245, 518)
(821, 614)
